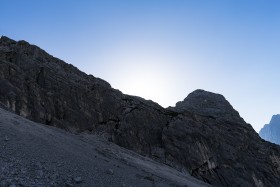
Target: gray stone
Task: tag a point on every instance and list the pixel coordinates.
(110, 172)
(78, 180)
(39, 174)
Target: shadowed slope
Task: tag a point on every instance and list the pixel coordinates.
(203, 135)
(38, 155)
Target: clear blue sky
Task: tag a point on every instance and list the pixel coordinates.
(163, 50)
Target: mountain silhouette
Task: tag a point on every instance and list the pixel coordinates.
(203, 136)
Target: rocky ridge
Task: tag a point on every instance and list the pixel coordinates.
(203, 135)
(271, 132)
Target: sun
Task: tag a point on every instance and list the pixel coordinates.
(144, 82)
(144, 75)
(141, 69)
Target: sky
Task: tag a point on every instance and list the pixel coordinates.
(163, 49)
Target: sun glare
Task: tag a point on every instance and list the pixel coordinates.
(142, 73)
(145, 83)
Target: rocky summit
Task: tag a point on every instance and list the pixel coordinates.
(202, 135)
(271, 131)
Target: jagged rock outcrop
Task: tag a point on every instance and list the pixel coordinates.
(202, 135)
(271, 132)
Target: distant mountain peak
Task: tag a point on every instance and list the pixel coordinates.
(275, 119)
(271, 131)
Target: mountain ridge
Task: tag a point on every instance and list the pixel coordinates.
(203, 135)
(271, 132)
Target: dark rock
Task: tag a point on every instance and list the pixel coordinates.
(271, 132)
(110, 172)
(203, 135)
(78, 180)
(208, 104)
(3, 183)
(39, 174)
(69, 184)
(6, 138)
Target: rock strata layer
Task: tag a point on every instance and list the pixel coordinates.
(203, 135)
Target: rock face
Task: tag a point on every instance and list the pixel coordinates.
(203, 135)
(38, 155)
(271, 131)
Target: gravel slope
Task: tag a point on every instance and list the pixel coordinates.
(33, 154)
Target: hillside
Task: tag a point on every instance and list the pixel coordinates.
(203, 135)
(39, 155)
